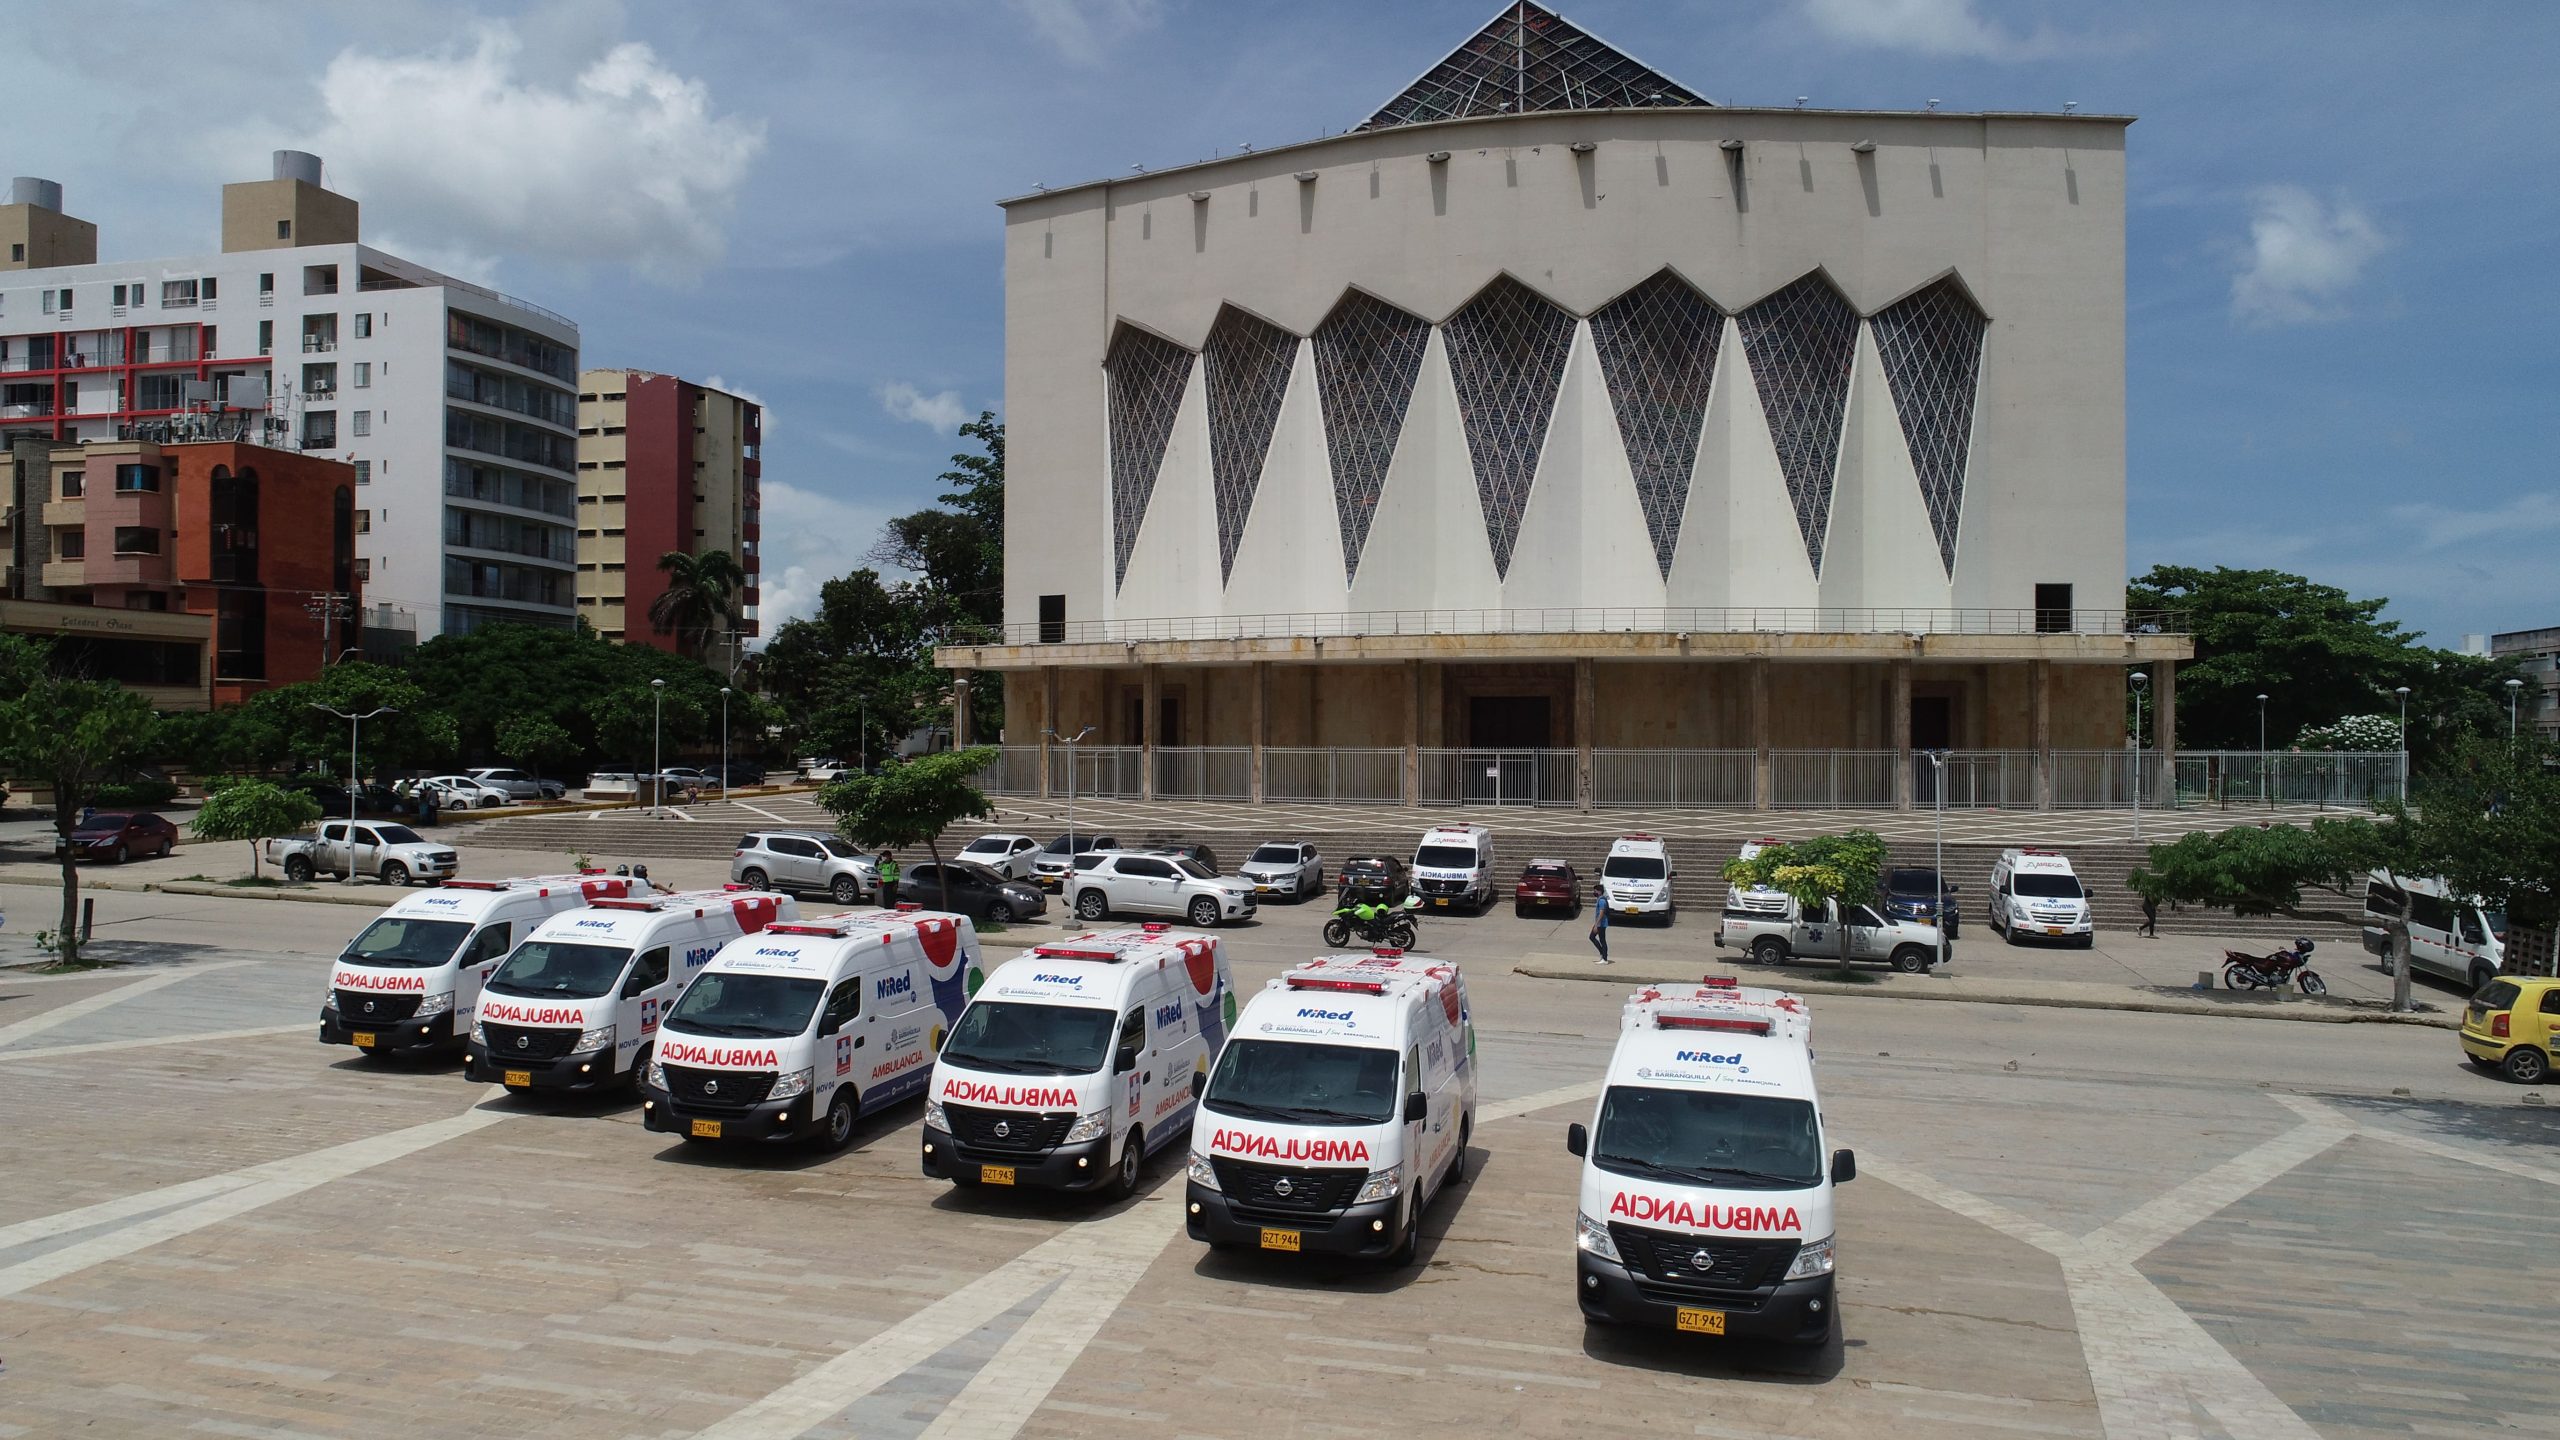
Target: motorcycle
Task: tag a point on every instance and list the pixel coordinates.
(2243, 971)
(1388, 925)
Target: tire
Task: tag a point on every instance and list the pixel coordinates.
(639, 1070)
(2526, 1066)
(1337, 934)
(1458, 1165)
(395, 873)
(1090, 905)
(119, 857)
(1409, 1249)
(1911, 960)
(2236, 978)
(753, 878)
(2311, 984)
(1402, 935)
(1204, 912)
(846, 890)
(2481, 975)
(297, 868)
(1133, 1158)
(841, 1113)
(1769, 950)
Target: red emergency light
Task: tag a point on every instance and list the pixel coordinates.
(1387, 952)
(1713, 1022)
(800, 928)
(622, 904)
(1361, 987)
(1069, 952)
(906, 905)
(1155, 927)
(1720, 982)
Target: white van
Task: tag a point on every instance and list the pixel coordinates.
(799, 1030)
(576, 1006)
(2036, 895)
(403, 981)
(1453, 866)
(1759, 902)
(1636, 878)
(2450, 936)
(1706, 1196)
(1078, 1060)
(1342, 1105)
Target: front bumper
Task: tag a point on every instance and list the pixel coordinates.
(570, 1074)
(390, 1037)
(775, 1120)
(1085, 1165)
(1051, 882)
(1278, 885)
(1797, 1312)
(1370, 1231)
(1620, 905)
(2030, 928)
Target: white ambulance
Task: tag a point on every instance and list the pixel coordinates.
(1636, 878)
(1078, 1060)
(2036, 895)
(1341, 1106)
(1453, 867)
(799, 1030)
(576, 1006)
(1757, 902)
(409, 980)
(1706, 1196)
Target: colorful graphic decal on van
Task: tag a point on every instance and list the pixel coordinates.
(1215, 1009)
(948, 967)
(755, 912)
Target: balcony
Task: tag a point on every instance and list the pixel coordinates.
(74, 511)
(27, 410)
(319, 344)
(65, 574)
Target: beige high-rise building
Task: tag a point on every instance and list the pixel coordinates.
(664, 465)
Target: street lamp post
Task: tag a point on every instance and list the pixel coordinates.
(1938, 762)
(2140, 680)
(724, 742)
(2266, 762)
(2514, 688)
(2403, 692)
(355, 728)
(1071, 744)
(657, 748)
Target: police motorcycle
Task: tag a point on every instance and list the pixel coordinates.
(1374, 924)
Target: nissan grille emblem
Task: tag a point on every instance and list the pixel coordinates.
(368, 1007)
(710, 1087)
(1003, 1128)
(524, 1042)
(1702, 1261)
(1282, 1186)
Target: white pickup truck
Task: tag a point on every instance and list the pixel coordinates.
(1910, 946)
(395, 854)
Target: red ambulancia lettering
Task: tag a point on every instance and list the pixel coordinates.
(532, 1014)
(731, 1056)
(349, 980)
(1028, 1097)
(1745, 1219)
(887, 1068)
(1268, 1147)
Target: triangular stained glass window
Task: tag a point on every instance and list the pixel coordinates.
(1507, 350)
(1801, 343)
(1931, 346)
(1368, 355)
(1248, 363)
(1657, 345)
(1147, 374)
(1530, 58)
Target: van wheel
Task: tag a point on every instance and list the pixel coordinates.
(2481, 975)
(396, 873)
(1409, 1249)
(1204, 912)
(1091, 906)
(1911, 960)
(297, 868)
(846, 890)
(1124, 1176)
(752, 878)
(1769, 950)
(2526, 1066)
(1458, 1166)
(841, 1113)
(639, 1070)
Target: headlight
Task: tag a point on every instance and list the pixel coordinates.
(1382, 1185)
(1814, 1259)
(329, 998)
(435, 1005)
(657, 1074)
(1203, 1174)
(478, 1035)
(591, 1041)
(791, 1086)
(934, 1119)
(1591, 1235)
(1089, 1127)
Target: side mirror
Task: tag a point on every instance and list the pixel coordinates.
(1576, 1139)
(1953, 889)
(1844, 1166)
(1199, 1083)
(1416, 1107)
(1124, 1063)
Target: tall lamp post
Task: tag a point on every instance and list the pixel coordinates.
(355, 728)
(724, 742)
(1071, 744)
(2140, 680)
(2266, 762)
(2403, 692)
(2514, 688)
(657, 750)
(1938, 763)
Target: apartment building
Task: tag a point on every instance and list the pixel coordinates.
(664, 465)
(2537, 654)
(451, 402)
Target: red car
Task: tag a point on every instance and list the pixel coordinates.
(122, 835)
(1547, 885)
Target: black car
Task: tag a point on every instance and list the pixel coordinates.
(324, 791)
(976, 891)
(1917, 894)
(1373, 880)
(739, 772)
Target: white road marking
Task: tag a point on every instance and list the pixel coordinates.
(769, 815)
(200, 1037)
(2148, 1226)
(2317, 1113)
(92, 1004)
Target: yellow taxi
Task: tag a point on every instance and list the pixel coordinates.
(2513, 1026)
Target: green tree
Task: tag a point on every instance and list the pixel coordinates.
(535, 741)
(415, 732)
(956, 554)
(857, 674)
(911, 803)
(69, 732)
(638, 725)
(252, 810)
(701, 598)
(503, 672)
(1845, 869)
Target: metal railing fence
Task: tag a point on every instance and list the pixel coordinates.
(1500, 777)
(1204, 773)
(1832, 779)
(1369, 777)
(1672, 779)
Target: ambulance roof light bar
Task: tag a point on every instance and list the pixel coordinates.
(1325, 982)
(1724, 1024)
(1720, 982)
(840, 924)
(1077, 952)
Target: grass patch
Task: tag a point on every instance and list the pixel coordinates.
(260, 882)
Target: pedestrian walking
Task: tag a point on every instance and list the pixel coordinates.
(2150, 917)
(1600, 923)
(888, 879)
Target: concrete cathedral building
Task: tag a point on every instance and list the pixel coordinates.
(1558, 419)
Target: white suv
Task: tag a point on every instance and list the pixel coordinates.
(1010, 855)
(1111, 881)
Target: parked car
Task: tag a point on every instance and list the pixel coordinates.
(116, 836)
(1012, 854)
(1189, 850)
(977, 891)
(804, 860)
(1920, 894)
(1285, 867)
(1373, 879)
(1056, 860)
(1911, 946)
(1548, 885)
(521, 786)
(465, 792)
(1153, 883)
(2512, 1026)
(394, 853)
(821, 771)
(740, 772)
(324, 791)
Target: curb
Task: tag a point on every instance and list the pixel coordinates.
(219, 892)
(2134, 1001)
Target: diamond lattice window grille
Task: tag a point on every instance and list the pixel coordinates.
(1657, 345)
(1147, 374)
(1801, 343)
(1368, 355)
(1931, 346)
(1530, 58)
(1507, 349)
(1247, 361)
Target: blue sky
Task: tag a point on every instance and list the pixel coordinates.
(2340, 230)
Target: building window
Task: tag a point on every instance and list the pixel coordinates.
(131, 478)
(208, 287)
(73, 544)
(74, 482)
(177, 294)
(1147, 376)
(1657, 347)
(364, 568)
(266, 337)
(1801, 342)
(364, 324)
(363, 423)
(17, 251)
(145, 600)
(1247, 361)
(1931, 346)
(1507, 350)
(2053, 609)
(364, 374)
(284, 229)
(364, 522)
(267, 283)
(364, 472)
(137, 540)
(1368, 354)
(1053, 619)
(118, 300)
(206, 336)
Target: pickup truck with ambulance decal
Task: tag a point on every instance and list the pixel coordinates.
(412, 975)
(1078, 1060)
(576, 1006)
(1706, 1197)
(1342, 1105)
(797, 1031)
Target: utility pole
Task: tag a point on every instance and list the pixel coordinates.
(355, 728)
(328, 608)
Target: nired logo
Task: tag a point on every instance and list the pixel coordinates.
(1746, 1219)
(1296, 1147)
(532, 1014)
(732, 1057)
(1028, 1097)
(393, 984)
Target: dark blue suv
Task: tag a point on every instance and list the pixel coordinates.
(1918, 894)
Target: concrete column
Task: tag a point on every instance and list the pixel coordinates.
(1898, 725)
(2164, 679)
(1585, 718)
(1150, 718)
(1048, 724)
(1762, 791)
(1261, 726)
(1413, 732)
(960, 736)
(2040, 727)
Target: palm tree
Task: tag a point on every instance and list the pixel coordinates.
(702, 590)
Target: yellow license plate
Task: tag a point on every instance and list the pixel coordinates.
(1442, 902)
(1627, 910)
(519, 1077)
(1288, 1240)
(365, 1039)
(1701, 1322)
(1261, 889)
(706, 1129)
(2053, 929)
(995, 1174)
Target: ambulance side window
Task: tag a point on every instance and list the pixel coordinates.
(649, 970)
(1413, 1070)
(1133, 1038)
(843, 1005)
(491, 945)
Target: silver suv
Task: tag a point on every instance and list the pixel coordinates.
(802, 861)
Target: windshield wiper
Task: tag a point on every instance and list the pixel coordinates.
(1793, 1181)
(1649, 1167)
(1247, 1107)
(1319, 1112)
(990, 1062)
(713, 1027)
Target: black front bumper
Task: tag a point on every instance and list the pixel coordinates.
(570, 1074)
(1085, 1165)
(1797, 1312)
(774, 1120)
(391, 1036)
(1357, 1231)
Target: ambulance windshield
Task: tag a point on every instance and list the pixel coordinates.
(1011, 1038)
(1301, 1084)
(754, 1006)
(560, 969)
(1633, 867)
(1709, 1137)
(2056, 887)
(394, 943)
(1446, 857)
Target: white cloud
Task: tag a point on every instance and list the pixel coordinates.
(456, 148)
(942, 410)
(1930, 27)
(2302, 258)
(809, 539)
(1080, 30)
(2431, 526)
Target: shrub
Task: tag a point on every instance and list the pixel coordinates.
(117, 794)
